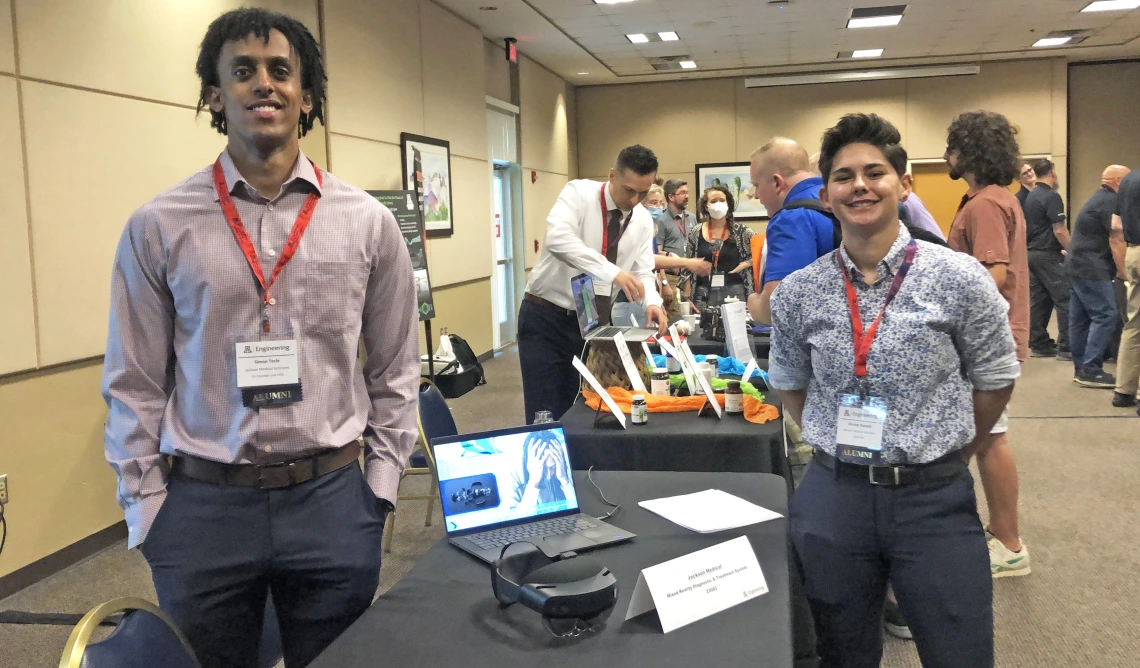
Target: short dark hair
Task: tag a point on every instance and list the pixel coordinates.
(862, 129)
(241, 23)
(672, 186)
(703, 203)
(987, 147)
(1043, 167)
(637, 158)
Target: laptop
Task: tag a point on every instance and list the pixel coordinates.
(586, 305)
(510, 485)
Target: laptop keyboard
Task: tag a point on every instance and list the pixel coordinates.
(497, 538)
(607, 332)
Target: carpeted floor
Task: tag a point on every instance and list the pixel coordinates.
(1079, 461)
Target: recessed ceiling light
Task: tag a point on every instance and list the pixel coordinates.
(672, 36)
(866, 53)
(876, 17)
(583, 73)
(688, 65)
(1111, 5)
(610, 2)
(1052, 41)
(637, 38)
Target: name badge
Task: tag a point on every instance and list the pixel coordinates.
(268, 373)
(859, 429)
(718, 280)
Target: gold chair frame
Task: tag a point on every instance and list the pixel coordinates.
(81, 635)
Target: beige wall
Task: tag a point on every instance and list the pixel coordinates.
(388, 74)
(497, 70)
(62, 489)
(719, 120)
(545, 118)
(463, 309)
(103, 99)
(1101, 125)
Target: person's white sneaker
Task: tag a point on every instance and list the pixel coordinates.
(1006, 564)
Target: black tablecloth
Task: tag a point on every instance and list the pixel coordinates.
(701, 346)
(676, 442)
(442, 613)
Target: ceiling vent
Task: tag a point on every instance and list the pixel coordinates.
(668, 63)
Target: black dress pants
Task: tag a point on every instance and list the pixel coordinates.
(1048, 291)
(216, 551)
(548, 342)
(851, 537)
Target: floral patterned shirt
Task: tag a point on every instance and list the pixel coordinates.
(945, 334)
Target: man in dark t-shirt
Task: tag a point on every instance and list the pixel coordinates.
(1090, 268)
(1047, 238)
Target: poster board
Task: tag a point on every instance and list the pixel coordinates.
(402, 204)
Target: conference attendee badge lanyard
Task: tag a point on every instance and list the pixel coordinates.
(268, 370)
(606, 224)
(859, 425)
(718, 276)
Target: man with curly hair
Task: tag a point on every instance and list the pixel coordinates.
(982, 150)
(236, 480)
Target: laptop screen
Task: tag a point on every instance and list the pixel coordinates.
(585, 303)
(508, 477)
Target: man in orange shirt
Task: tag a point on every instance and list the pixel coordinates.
(981, 149)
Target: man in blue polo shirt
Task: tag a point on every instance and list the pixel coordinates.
(796, 236)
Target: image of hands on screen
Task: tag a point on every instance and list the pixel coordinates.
(504, 478)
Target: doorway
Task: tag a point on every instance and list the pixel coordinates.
(940, 194)
(504, 280)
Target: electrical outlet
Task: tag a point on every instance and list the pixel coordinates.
(3, 489)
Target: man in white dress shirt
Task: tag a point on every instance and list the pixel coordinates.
(596, 228)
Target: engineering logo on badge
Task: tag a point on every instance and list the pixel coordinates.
(248, 350)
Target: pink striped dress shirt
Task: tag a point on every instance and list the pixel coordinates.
(182, 296)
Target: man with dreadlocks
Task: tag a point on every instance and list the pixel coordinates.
(236, 399)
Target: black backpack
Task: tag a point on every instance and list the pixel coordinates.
(452, 384)
(837, 231)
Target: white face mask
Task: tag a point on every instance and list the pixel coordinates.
(718, 210)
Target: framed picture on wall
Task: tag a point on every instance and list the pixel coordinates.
(734, 176)
(427, 171)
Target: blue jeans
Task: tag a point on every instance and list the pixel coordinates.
(621, 312)
(1092, 319)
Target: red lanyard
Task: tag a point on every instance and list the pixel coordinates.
(234, 220)
(606, 224)
(716, 253)
(679, 223)
(863, 340)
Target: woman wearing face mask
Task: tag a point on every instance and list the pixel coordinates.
(726, 244)
(623, 310)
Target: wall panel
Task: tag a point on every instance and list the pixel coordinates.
(7, 49)
(18, 334)
(374, 68)
(1100, 130)
(454, 95)
(543, 119)
(80, 198)
(134, 47)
